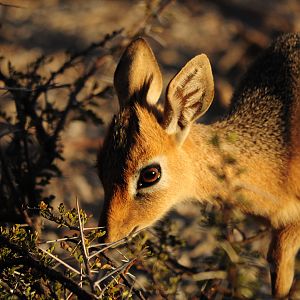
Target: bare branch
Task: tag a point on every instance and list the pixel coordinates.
(60, 261)
(210, 275)
(85, 252)
(32, 262)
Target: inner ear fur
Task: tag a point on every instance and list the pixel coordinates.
(189, 95)
(137, 77)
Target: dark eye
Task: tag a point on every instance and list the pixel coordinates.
(149, 176)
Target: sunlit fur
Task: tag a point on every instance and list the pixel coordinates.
(264, 119)
(126, 206)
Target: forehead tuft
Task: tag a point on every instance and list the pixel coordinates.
(122, 127)
(119, 139)
(132, 135)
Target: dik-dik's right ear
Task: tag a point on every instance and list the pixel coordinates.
(137, 77)
(188, 97)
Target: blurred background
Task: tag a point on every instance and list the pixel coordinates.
(231, 32)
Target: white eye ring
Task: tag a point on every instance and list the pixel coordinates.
(137, 186)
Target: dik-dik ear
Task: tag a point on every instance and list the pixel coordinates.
(137, 77)
(188, 97)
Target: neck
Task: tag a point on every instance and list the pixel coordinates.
(226, 170)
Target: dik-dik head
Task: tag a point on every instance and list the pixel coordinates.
(143, 163)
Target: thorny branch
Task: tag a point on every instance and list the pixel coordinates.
(85, 251)
(87, 273)
(32, 262)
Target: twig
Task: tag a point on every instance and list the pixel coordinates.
(85, 252)
(117, 270)
(72, 102)
(152, 15)
(117, 243)
(60, 261)
(69, 296)
(131, 288)
(37, 88)
(137, 293)
(59, 240)
(81, 231)
(210, 275)
(52, 274)
(105, 288)
(84, 52)
(92, 228)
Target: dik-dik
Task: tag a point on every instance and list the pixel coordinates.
(155, 157)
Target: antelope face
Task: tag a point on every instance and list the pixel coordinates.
(141, 163)
(135, 168)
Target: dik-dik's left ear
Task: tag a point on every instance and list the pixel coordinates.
(137, 77)
(188, 97)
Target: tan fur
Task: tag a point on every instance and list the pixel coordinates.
(282, 253)
(131, 66)
(264, 118)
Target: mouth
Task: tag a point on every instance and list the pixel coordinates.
(128, 237)
(125, 239)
